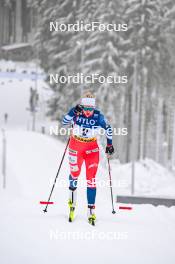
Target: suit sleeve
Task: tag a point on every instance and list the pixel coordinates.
(103, 123)
(68, 118)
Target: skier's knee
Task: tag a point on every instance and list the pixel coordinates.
(91, 182)
(75, 174)
(75, 170)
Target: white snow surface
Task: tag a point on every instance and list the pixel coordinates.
(151, 179)
(145, 234)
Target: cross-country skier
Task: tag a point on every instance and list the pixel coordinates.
(86, 120)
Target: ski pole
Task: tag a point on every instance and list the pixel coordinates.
(110, 180)
(47, 203)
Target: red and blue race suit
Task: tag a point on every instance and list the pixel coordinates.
(83, 147)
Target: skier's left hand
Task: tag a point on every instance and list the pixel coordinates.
(109, 150)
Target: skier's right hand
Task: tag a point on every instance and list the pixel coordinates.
(78, 109)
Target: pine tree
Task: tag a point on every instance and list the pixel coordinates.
(53, 47)
(146, 40)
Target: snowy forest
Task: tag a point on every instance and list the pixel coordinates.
(145, 53)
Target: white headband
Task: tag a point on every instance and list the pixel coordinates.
(88, 101)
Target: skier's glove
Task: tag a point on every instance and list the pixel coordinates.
(109, 149)
(78, 109)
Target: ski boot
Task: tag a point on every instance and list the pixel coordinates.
(72, 202)
(91, 215)
(91, 219)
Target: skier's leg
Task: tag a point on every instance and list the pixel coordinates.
(72, 190)
(91, 160)
(75, 161)
(72, 197)
(91, 195)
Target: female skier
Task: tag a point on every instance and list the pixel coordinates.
(86, 120)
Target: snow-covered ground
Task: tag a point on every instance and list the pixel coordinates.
(144, 235)
(151, 179)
